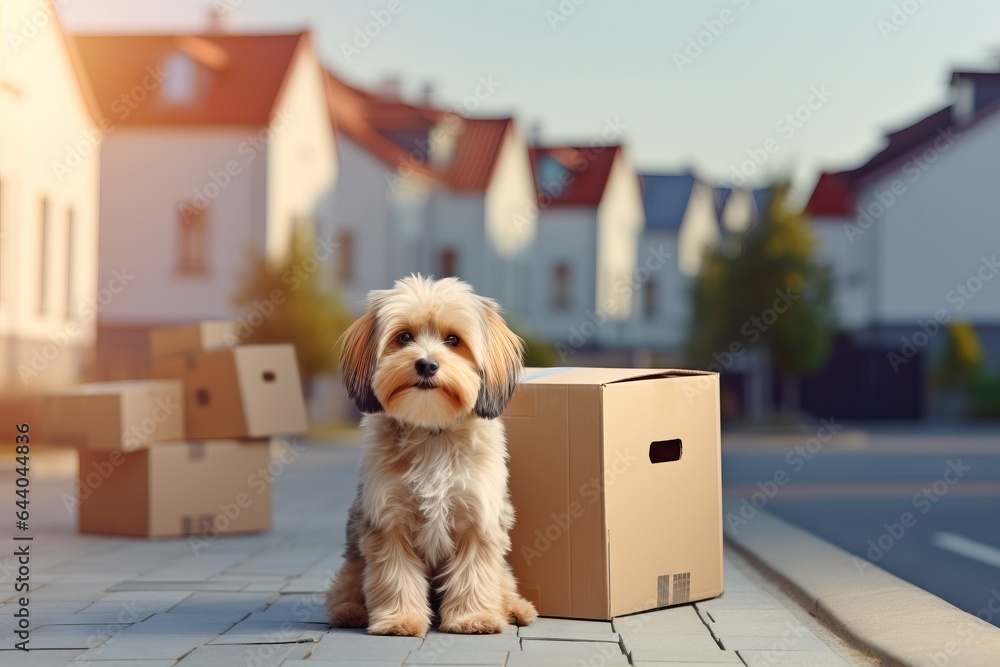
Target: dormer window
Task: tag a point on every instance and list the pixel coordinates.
(964, 100)
(551, 176)
(443, 141)
(179, 79)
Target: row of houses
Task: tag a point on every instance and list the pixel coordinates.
(139, 172)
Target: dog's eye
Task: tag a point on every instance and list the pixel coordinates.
(404, 338)
(452, 340)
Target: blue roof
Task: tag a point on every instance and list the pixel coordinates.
(665, 199)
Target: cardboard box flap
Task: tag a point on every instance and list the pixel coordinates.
(119, 387)
(598, 376)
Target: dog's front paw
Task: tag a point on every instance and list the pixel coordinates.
(347, 615)
(400, 625)
(474, 624)
(521, 612)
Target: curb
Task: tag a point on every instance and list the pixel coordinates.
(889, 618)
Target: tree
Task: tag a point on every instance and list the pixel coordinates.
(767, 292)
(284, 301)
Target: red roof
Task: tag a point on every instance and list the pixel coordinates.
(240, 77)
(583, 176)
(396, 132)
(833, 194)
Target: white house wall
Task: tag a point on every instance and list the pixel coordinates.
(848, 261)
(699, 230)
(565, 235)
(454, 221)
(934, 236)
(511, 225)
(147, 174)
(620, 219)
(301, 156)
(49, 148)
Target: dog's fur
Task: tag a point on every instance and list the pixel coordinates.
(432, 513)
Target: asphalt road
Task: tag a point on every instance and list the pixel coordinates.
(924, 506)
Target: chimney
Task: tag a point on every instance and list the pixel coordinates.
(218, 17)
(427, 94)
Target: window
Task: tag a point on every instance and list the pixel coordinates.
(345, 265)
(43, 263)
(70, 264)
(561, 287)
(179, 80)
(449, 262)
(193, 241)
(649, 299)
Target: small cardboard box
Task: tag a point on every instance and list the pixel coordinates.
(126, 415)
(200, 337)
(177, 488)
(615, 476)
(249, 391)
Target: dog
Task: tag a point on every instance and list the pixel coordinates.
(432, 365)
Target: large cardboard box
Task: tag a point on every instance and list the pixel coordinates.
(177, 488)
(615, 476)
(199, 337)
(125, 415)
(249, 391)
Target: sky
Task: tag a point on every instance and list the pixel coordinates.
(737, 90)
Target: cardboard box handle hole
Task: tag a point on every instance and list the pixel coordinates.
(268, 376)
(202, 397)
(665, 451)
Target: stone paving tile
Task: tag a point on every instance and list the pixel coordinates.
(445, 641)
(182, 624)
(808, 642)
(108, 618)
(258, 655)
(686, 663)
(342, 663)
(136, 603)
(37, 658)
(265, 586)
(131, 663)
(228, 604)
(684, 654)
(677, 621)
(297, 607)
(269, 632)
(357, 644)
(53, 607)
(566, 658)
(300, 585)
(143, 585)
(789, 628)
(140, 647)
(825, 658)
(558, 628)
(737, 615)
(670, 642)
(68, 636)
(741, 600)
(467, 656)
(582, 649)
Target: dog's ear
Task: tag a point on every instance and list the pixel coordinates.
(503, 360)
(357, 362)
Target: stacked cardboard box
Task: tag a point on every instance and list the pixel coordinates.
(187, 452)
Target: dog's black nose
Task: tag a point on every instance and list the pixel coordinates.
(427, 367)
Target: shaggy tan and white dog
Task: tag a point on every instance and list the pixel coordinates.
(432, 365)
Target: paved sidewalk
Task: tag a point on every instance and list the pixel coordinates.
(257, 600)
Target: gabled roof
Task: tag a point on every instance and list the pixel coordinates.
(396, 132)
(584, 174)
(240, 80)
(665, 199)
